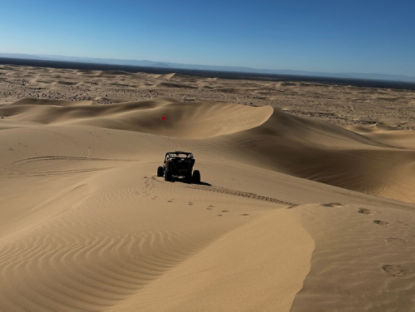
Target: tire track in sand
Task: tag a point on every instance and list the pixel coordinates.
(228, 191)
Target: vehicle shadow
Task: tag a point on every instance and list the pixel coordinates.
(182, 180)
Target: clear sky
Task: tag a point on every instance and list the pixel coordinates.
(364, 36)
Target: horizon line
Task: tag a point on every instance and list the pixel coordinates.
(396, 78)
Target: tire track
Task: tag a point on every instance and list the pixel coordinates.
(66, 158)
(228, 191)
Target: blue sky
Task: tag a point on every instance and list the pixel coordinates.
(328, 36)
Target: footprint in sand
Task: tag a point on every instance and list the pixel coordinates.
(380, 222)
(244, 214)
(210, 207)
(225, 210)
(219, 215)
(395, 270)
(332, 205)
(170, 201)
(190, 203)
(292, 206)
(364, 211)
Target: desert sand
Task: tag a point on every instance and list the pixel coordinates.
(307, 200)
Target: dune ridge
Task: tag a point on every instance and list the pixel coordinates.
(188, 120)
(327, 153)
(273, 276)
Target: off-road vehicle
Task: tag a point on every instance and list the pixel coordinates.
(179, 164)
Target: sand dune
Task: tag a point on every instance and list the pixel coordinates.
(189, 120)
(87, 226)
(327, 153)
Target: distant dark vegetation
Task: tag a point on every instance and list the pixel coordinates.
(209, 73)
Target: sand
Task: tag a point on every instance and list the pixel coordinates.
(306, 204)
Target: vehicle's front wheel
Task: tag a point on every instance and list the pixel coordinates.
(196, 176)
(160, 171)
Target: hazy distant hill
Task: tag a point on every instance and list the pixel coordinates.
(146, 63)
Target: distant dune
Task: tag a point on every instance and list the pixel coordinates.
(306, 204)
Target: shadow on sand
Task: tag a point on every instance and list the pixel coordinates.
(182, 180)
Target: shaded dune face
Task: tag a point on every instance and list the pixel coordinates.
(262, 136)
(330, 154)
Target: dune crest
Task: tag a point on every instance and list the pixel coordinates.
(256, 261)
(187, 120)
(327, 153)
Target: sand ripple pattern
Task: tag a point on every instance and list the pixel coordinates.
(81, 270)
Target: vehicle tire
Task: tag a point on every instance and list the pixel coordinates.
(196, 176)
(168, 176)
(160, 171)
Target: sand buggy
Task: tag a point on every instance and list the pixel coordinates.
(179, 165)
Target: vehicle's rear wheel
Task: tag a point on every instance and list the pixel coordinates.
(196, 176)
(160, 171)
(168, 176)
